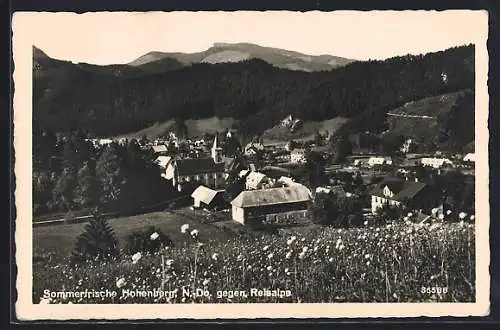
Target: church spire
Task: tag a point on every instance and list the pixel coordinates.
(216, 151)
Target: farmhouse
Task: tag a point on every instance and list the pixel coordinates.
(413, 195)
(298, 156)
(204, 197)
(257, 207)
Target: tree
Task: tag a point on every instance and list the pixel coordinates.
(88, 190)
(318, 138)
(98, 241)
(63, 193)
(341, 147)
(109, 171)
(391, 143)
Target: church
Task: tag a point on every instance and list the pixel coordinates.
(209, 171)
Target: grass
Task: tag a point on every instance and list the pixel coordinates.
(59, 239)
(371, 264)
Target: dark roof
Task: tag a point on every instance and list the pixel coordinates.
(189, 166)
(411, 189)
(395, 185)
(402, 190)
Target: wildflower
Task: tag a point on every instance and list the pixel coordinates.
(304, 249)
(215, 256)
(441, 216)
(339, 231)
(289, 242)
(286, 270)
(265, 248)
(367, 256)
(331, 259)
(288, 255)
(121, 283)
(44, 301)
(341, 247)
(462, 215)
(270, 256)
(169, 262)
(301, 255)
(269, 267)
(206, 281)
(293, 238)
(302, 239)
(448, 212)
(194, 233)
(472, 217)
(368, 263)
(434, 211)
(184, 228)
(395, 295)
(136, 257)
(249, 267)
(365, 223)
(410, 215)
(154, 236)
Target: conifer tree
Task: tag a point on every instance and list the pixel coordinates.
(98, 241)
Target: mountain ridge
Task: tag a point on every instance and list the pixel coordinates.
(276, 56)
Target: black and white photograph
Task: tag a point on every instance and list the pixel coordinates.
(271, 161)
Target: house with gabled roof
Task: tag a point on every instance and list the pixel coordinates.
(204, 197)
(413, 195)
(257, 207)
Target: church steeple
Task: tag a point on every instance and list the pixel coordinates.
(216, 151)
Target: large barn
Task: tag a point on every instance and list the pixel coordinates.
(257, 207)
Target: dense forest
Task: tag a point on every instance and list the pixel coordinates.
(70, 174)
(254, 91)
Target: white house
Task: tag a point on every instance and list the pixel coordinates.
(435, 162)
(207, 198)
(379, 160)
(298, 155)
(412, 194)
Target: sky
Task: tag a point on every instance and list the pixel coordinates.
(116, 38)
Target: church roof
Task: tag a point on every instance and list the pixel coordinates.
(190, 166)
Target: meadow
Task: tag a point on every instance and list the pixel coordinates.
(403, 262)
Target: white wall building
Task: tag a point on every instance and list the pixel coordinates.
(435, 162)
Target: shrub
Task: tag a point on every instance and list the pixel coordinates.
(97, 241)
(143, 241)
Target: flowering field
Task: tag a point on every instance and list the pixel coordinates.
(395, 263)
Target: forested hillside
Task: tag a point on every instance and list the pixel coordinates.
(256, 92)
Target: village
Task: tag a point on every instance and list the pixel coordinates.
(265, 184)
